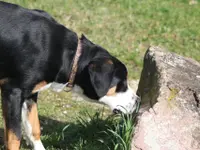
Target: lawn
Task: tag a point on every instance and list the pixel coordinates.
(126, 28)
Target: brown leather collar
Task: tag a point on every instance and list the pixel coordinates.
(75, 64)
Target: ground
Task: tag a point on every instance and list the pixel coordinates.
(126, 28)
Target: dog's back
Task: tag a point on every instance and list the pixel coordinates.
(24, 35)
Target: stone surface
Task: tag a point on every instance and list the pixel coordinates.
(170, 108)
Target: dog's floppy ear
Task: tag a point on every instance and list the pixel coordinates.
(101, 72)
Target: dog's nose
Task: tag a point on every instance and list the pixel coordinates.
(117, 111)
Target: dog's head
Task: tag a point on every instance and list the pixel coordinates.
(105, 79)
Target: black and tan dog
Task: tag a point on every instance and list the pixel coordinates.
(36, 52)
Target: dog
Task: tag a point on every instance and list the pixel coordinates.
(36, 52)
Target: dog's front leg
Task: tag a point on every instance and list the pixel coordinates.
(31, 122)
(11, 105)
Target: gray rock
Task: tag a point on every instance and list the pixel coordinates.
(170, 108)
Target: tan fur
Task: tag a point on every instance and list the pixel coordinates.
(111, 91)
(39, 85)
(10, 139)
(34, 121)
(2, 81)
(109, 61)
(13, 143)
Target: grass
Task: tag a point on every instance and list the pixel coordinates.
(111, 133)
(122, 133)
(126, 28)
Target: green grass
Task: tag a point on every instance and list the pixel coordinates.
(126, 28)
(111, 133)
(121, 134)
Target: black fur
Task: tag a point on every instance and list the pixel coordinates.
(34, 47)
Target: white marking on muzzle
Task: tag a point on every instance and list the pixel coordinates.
(123, 101)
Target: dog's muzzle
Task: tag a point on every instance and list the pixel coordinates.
(135, 107)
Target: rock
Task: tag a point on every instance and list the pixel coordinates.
(170, 108)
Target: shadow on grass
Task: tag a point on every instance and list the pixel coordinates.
(83, 135)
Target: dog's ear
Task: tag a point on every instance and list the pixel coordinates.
(85, 40)
(83, 37)
(101, 73)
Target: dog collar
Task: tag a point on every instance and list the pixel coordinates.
(58, 87)
(75, 64)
